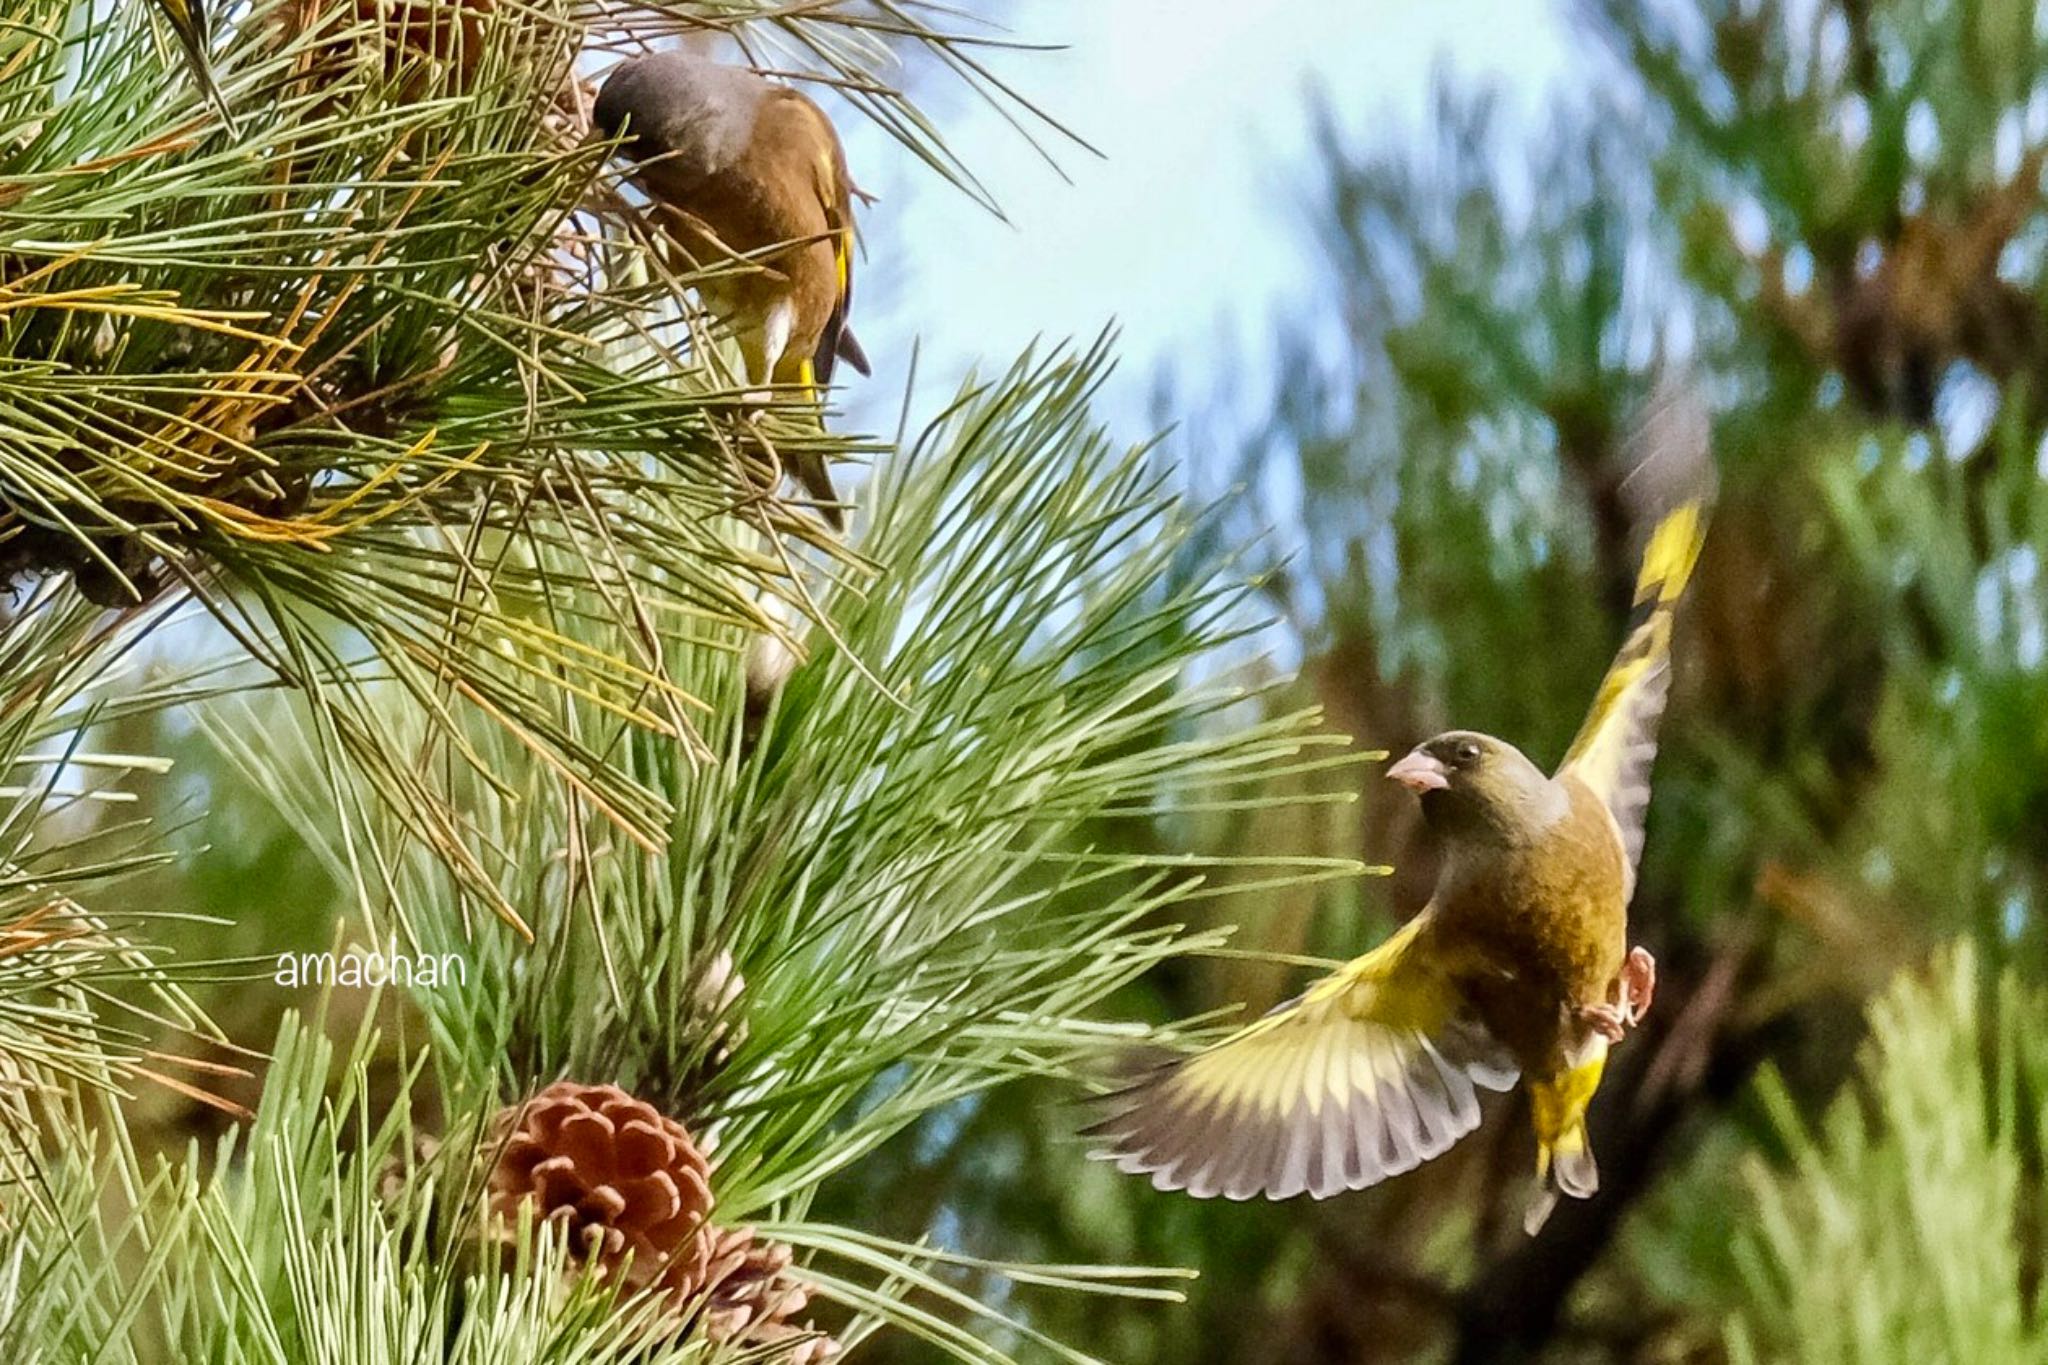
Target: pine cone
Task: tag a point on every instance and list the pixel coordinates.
(626, 1181)
(714, 999)
(754, 1299)
(715, 1020)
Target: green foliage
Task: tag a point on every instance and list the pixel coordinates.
(1497, 341)
(480, 543)
(1950, 840)
(1831, 213)
(389, 385)
(85, 1003)
(1900, 1226)
(878, 903)
(370, 378)
(290, 1249)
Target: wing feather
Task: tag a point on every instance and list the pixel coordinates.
(1370, 1073)
(1618, 742)
(835, 197)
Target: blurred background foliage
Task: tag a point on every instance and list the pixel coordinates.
(1825, 1143)
(1833, 213)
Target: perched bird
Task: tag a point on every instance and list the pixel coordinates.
(1519, 965)
(749, 179)
(190, 22)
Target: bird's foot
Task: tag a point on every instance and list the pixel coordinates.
(1638, 985)
(1605, 1020)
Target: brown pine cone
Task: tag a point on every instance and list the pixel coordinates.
(755, 1297)
(627, 1182)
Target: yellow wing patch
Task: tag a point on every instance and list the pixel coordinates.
(1370, 1073)
(1616, 745)
(834, 195)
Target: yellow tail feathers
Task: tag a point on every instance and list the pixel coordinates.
(1564, 1152)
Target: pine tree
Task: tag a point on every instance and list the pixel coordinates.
(369, 463)
(1831, 214)
(370, 457)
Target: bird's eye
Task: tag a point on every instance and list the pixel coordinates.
(1468, 752)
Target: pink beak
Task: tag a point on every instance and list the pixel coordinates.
(1420, 773)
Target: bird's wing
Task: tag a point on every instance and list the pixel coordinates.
(1367, 1075)
(1615, 746)
(834, 187)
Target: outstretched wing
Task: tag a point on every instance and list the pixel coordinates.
(1369, 1074)
(1618, 742)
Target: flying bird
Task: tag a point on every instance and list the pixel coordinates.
(749, 179)
(1519, 966)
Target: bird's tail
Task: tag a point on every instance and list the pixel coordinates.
(189, 21)
(1564, 1152)
(846, 346)
(809, 466)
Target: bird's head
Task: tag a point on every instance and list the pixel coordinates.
(683, 110)
(1476, 786)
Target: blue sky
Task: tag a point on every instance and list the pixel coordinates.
(1187, 229)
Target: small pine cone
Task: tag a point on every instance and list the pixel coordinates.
(624, 1179)
(755, 1297)
(717, 1024)
(715, 1000)
(809, 1349)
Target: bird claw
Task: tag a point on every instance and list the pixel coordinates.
(1638, 987)
(1605, 1020)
